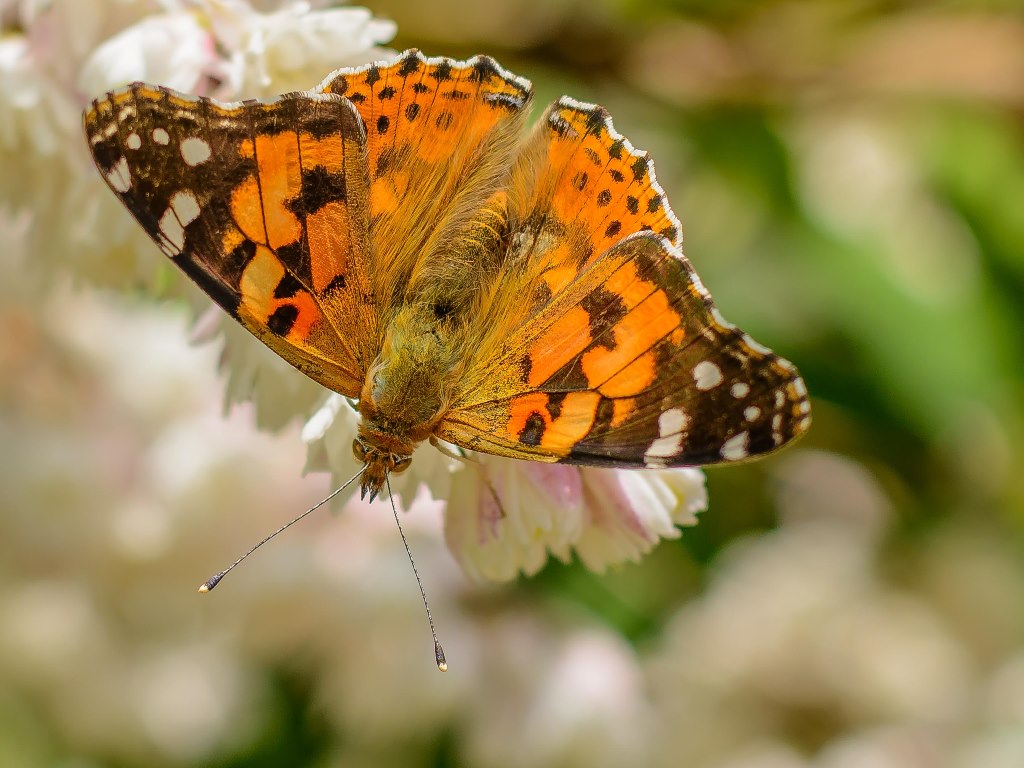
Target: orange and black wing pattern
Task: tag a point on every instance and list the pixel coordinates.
(440, 135)
(263, 204)
(612, 352)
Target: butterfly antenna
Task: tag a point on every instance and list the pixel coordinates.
(442, 664)
(213, 581)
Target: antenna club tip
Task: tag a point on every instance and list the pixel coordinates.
(442, 664)
(212, 582)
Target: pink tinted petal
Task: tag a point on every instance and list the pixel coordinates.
(608, 504)
(561, 484)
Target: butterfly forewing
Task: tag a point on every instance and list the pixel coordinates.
(440, 137)
(263, 205)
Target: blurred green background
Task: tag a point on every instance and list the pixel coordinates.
(850, 178)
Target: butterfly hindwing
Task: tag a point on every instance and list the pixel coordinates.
(618, 357)
(263, 205)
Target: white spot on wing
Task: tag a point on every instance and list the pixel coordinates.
(751, 412)
(186, 207)
(172, 230)
(736, 447)
(672, 421)
(740, 389)
(133, 141)
(160, 136)
(706, 375)
(671, 425)
(195, 150)
(119, 177)
(183, 210)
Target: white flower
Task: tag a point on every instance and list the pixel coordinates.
(172, 49)
(607, 516)
(295, 47)
(630, 510)
(573, 701)
(506, 516)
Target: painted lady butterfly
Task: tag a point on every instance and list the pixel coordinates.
(397, 236)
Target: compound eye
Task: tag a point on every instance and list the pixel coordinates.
(359, 450)
(401, 464)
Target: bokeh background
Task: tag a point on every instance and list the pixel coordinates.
(850, 177)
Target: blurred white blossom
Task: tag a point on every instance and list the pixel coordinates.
(504, 517)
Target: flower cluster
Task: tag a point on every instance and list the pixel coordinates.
(502, 517)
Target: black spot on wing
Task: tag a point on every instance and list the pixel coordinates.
(533, 431)
(554, 406)
(484, 68)
(410, 63)
(606, 310)
(442, 72)
(282, 319)
(288, 287)
(596, 120)
(639, 167)
(319, 187)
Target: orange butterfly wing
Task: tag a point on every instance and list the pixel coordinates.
(263, 205)
(439, 133)
(306, 217)
(606, 349)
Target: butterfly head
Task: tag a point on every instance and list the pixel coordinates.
(378, 463)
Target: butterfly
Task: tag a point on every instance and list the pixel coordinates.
(400, 236)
